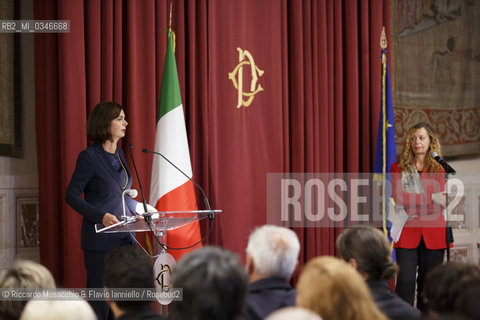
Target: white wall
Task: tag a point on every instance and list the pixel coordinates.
(466, 166)
(466, 220)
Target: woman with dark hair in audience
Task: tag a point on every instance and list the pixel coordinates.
(101, 175)
(368, 251)
(447, 290)
(467, 304)
(418, 186)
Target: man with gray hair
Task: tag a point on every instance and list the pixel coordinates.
(272, 255)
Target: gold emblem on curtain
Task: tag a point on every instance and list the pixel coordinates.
(245, 58)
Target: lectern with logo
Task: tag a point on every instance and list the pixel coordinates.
(160, 222)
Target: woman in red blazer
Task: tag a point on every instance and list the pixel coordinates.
(418, 185)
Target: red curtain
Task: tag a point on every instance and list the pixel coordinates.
(318, 110)
(334, 93)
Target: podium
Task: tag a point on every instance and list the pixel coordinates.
(160, 223)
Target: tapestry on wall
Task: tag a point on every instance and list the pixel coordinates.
(436, 61)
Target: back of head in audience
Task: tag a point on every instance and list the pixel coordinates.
(467, 303)
(128, 267)
(214, 285)
(272, 251)
(296, 313)
(445, 283)
(73, 309)
(368, 250)
(334, 290)
(24, 274)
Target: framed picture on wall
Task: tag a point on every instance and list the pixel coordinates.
(10, 97)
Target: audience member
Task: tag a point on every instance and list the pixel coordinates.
(296, 313)
(368, 251)
(272, 254)
(445, 283)
(446, 316)
(334, 290)
(467, 303)
(78, 309)
(24, 274)
(128, 267)
(214, 286)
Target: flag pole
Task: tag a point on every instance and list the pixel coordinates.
(169, 29)
(383, 45)
(170, 18)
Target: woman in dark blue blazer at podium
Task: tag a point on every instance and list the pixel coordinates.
(101, 174)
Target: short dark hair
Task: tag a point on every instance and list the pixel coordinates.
(128, 267)
(370, 249)
(444, 284)
(214, 285)
(467, 303)
(98, 123)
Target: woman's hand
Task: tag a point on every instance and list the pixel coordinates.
(439, 198)
(399, 209)
(109, 219)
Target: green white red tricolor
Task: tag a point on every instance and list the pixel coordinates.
(170, 190)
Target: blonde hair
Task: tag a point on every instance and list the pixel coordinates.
(77, 309)
(407, 157)
(336, 291)
(24, 274)
(296, 313)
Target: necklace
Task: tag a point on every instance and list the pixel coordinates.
(124, 170)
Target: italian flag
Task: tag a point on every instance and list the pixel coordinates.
(170, 190)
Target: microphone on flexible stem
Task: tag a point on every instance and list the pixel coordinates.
(147, 216)
(210, 216)
(132, 193)
(443, 163)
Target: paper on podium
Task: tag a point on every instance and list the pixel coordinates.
(398, 218)
(139, 208)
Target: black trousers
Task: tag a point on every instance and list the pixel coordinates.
(408, 260)
(94, 262)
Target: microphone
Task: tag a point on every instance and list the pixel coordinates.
(443, 163)
(132, 193)
(201, 189)
(147, 216)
